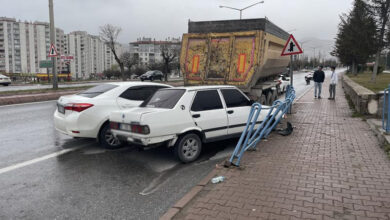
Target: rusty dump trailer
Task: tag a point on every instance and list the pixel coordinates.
(244, 53)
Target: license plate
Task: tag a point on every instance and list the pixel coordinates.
(61, 109)
(125, 127)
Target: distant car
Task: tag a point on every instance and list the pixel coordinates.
(184, 118)
(86, 114)
(309, 77)
(152, 75)
(5, 80)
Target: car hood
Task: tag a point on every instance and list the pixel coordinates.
(134, 114)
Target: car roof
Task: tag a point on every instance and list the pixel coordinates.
(137, 84)
(194, 88)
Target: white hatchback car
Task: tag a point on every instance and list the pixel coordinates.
(185, 117)
(86, 114)
(5, 80)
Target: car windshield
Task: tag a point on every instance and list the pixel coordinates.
(165, 98)
(148, 73)
(97, 90)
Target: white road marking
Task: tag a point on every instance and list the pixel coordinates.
(27, 103)
(37, 160)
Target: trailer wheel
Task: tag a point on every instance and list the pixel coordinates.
(262, 99)
(274, 96)
(269, 98)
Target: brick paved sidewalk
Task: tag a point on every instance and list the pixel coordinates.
(331, 167)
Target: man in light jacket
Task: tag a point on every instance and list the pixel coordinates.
(333, 83)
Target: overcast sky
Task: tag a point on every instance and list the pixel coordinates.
(168, 18)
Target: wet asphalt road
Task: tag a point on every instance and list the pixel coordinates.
(89, 182)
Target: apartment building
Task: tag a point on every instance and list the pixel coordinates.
(24, 44)
(149, 51)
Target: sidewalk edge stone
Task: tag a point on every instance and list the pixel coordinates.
(179, 205)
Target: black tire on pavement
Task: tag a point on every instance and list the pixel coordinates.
(151, 79)
(274, 96)
(142, 80)
(107, 139)
(263, 99)
(269, 98)
(188, 147)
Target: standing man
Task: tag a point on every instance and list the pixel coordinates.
(318, 78)
(333, 83)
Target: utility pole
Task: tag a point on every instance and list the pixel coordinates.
(53, 42)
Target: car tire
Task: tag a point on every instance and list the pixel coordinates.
(161, 78)
(142, 80)
(151, 79)
(188, 147)
(262, 99)
(107, 139)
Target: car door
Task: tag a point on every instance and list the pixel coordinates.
(135, 95)
(237, 108)
(209, 114)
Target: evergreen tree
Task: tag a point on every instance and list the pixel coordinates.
(381, 12)
(355, 41)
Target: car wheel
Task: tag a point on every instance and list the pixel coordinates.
(142, 80)
(188, 147)
(107, 139)
(161, 78)
(262, 99)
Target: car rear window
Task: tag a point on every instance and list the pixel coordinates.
(97, 90)
(164, 98)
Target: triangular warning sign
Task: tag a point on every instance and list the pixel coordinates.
(291, 47)
(52, 51)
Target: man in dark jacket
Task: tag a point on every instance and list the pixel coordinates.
(318, 78)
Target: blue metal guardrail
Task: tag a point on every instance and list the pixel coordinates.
(386, 110)
(250, 137)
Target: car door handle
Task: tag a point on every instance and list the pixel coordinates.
(196, 115)
(230, 112)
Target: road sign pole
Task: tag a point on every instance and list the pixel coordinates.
(53, 42)
(291, 80)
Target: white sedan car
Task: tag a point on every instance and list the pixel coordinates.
(86, 114)
(5, 80)
(185, 117)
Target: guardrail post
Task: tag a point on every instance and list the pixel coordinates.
(386, 110)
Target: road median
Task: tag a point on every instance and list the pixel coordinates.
(35, 97)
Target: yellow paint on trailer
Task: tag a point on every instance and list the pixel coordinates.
(233, 58)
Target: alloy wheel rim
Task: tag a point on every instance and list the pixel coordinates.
(190, 148)
(110, 139)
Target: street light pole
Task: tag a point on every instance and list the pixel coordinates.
(53, 42)
(242, 9)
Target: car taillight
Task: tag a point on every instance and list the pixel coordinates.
(140, 129)
(114, 125)
(77, 107)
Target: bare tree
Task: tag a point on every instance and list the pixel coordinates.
(169, 54)
(381, 11)
(109, 34)
(129, 60)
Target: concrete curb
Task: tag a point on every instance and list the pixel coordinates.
(39, 97)
(172, 212)
(377, 129)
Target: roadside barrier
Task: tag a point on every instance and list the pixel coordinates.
(250, 137)
(386, 110)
